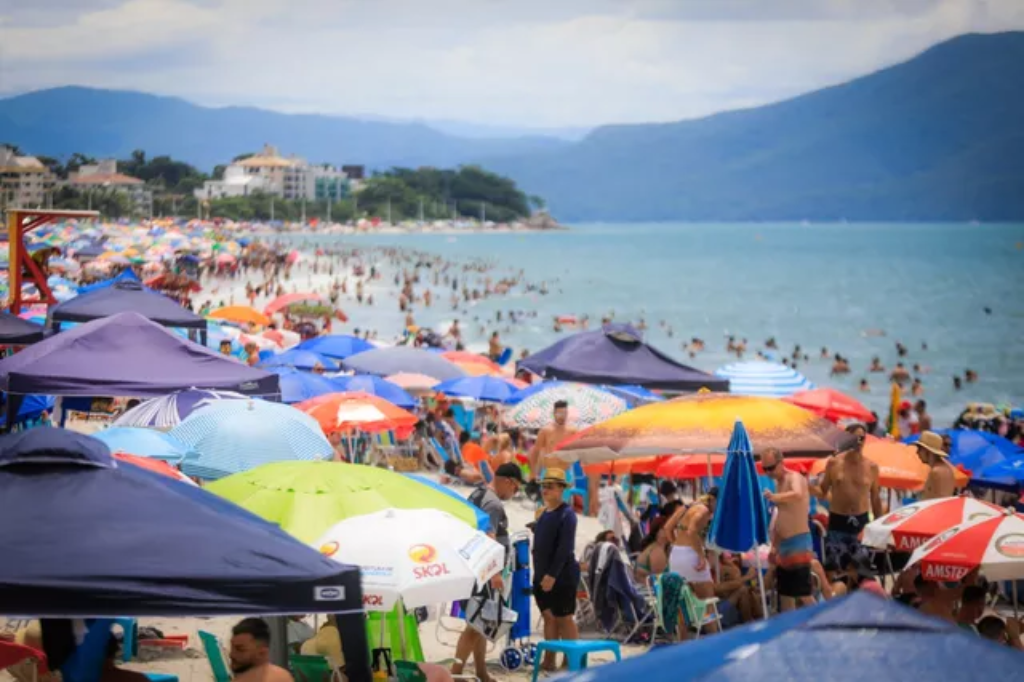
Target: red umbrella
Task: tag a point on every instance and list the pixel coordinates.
(155, 465)
(290, 299)
(994, 546)
(907, 528)
(12, 653)
(831, 404)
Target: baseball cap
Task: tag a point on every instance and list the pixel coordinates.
(510, 470)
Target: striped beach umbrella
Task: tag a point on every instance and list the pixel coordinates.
(766, 379)
(232, 436)
(587, 405)
(909, 527)
(993, 545)
(170, 410)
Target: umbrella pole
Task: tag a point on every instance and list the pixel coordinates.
(1015, 614)
(401, 627)
(760, 583)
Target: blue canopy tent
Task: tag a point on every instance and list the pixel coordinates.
(851, 639)
(124, 355)
(126, 275)
(112, 541)
(15, 331)
(616, 354)
(127, 297)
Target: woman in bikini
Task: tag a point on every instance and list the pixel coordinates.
(688, 557)
(654, 552)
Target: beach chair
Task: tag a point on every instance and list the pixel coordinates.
(215, 655)
(485, 470)
(129, 639)
(505, 356)
(441, 452)
(579, 487)
(311, 668)
(395, 633)
(699, 612)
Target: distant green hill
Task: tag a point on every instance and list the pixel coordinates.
(940, 137)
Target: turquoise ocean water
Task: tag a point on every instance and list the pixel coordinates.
(813, 285)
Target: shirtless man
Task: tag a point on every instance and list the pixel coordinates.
(791, 536)
(549, 437)
(850, 486)
(941, 481)
(250, 653)
(688, 556)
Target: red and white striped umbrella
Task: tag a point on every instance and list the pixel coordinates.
(907, 528)
(994, 546)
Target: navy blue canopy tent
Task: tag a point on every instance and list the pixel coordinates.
(126, 275)
(126, 355)
(15, 331)
(110, 539)
(87, 537)
(616, 354)
(855, 638)
(122, 297)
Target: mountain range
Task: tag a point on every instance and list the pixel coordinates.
(939, 137)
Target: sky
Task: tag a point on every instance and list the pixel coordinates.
(538, 64)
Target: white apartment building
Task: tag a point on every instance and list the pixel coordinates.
(24, 181)
(104, 175)
(271, 173)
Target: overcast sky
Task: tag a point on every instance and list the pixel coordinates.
(530, 63)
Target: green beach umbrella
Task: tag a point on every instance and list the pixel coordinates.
(307, 498)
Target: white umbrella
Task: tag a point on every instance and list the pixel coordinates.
(421, 556)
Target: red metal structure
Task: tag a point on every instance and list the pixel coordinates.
(21, 221)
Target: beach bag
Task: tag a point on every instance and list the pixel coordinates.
(489, 612)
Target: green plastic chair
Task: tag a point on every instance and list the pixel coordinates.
(310, 668)
(215, 655)
(392, 639)
(700, 612)
(408, 671)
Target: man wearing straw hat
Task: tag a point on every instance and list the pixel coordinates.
(941, 481)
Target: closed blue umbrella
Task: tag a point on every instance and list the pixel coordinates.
(486, 388)
(337, 346)
(297, 386)
(403, 359)
(301, 359)
(483, 521)
(740, 522)
(232, 436)
(764, 379)
(169, 410)
(145, 443)
(382, 388)
(855, 638)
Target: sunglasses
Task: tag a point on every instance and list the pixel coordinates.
(550, 486)
(769, 469)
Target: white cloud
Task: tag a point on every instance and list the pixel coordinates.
(526, 62)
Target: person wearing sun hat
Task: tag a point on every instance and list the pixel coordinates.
(941, 481)
(556, 573)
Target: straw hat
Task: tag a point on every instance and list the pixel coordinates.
(556, 476)
(932, 442)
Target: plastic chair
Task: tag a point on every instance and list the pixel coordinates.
(579, 487)
(130, 640)
(576, 652)
(310, 668)
(161, 677)
(215, 655)
(700, 612)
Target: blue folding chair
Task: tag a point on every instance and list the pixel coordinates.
(485, 469)
(578, 486)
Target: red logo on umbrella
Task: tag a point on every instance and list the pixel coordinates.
(422, 554)
(1011, 546)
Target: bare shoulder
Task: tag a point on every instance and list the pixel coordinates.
(276, 673)
(874, 468)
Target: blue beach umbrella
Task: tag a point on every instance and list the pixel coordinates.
(337, 346)
(301, 359)
(634, 394)
(741, 520)
(382, 388)
(169, 410)
(764, 379)
(976, 450)
(32, 407)
(483, 521)
(232, 436)
(145, 443)
(854, 638)
(297, 386)
(1007, 475)
(485, 388)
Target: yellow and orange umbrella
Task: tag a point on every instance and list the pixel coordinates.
(703, 423)
(898, 465)
(240, 314)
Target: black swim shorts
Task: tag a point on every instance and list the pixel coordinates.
(560, 601)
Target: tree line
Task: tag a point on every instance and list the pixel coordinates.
(398, 194)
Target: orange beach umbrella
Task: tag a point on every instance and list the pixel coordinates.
(240, 314)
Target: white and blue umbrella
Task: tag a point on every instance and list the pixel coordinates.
(764, 379)
(145, 443)
(233, 436)
(170, 410)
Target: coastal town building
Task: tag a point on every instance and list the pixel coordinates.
(103, 176)
(270, 173)
(24, 181)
